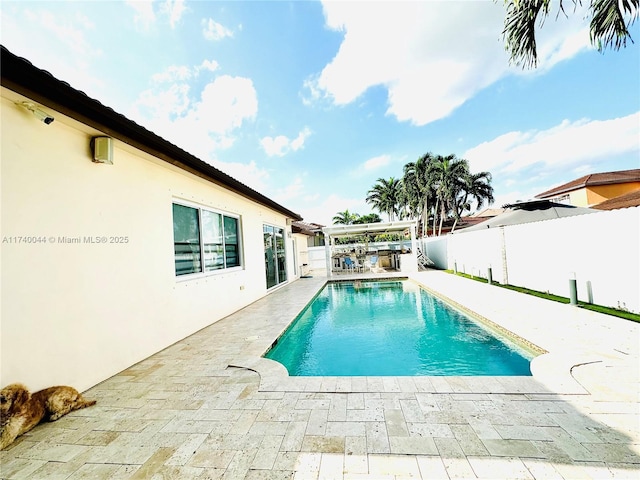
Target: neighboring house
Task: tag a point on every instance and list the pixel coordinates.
(312, 232)
(115, 242)
(310, 240)
(595, 188)
(631, 199)
(305, 235)
(487, 213)
(464, 222)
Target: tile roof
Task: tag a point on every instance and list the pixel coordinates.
(606, 178)
(306, 228)
(629, 199)
(488, 212)
(21, 76)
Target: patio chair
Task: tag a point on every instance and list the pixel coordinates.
(373, 262)
(357, 265)
(349, 263)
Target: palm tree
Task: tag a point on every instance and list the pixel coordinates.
(610, 20)
(447, 174)
(369, 218)
(418, 192)
(477, 186)
(345, 218)
(385, 197)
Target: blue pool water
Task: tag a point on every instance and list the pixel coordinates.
(391, 328)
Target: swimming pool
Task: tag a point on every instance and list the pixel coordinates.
(382, 328)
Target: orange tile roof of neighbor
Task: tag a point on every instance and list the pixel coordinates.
(631, 199)
(593, 179)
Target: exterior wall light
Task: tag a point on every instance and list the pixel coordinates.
(39, 114)
(102, 150)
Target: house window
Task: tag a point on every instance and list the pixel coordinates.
(562, 199)
(204, 240)
(186, 239)
(231, 242)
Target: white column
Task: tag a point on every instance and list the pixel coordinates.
(328, 244)
(414, 246)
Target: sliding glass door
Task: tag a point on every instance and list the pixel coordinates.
(275, 262)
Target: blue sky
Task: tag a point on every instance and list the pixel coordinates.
(311, 102)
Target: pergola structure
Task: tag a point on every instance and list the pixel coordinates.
(337, 231)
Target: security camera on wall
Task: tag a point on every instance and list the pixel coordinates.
(43, 116)
(38, 113)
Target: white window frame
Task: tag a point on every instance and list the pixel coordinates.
(286, 252)
(201, 274)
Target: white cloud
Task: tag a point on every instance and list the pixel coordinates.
(183, 73)
(312, 93)
(226, 103)
(322, 209)
(249, 174)
(568, 144)
(70, 31)
(168, 103)
(288, 192)
(54, 32)
(173, 73)
(298, 142)
(174, 10)
(144, 15)
(582, 170)
(210, 65)
(275, 146)
(213, 30)
(431, 56)
(200, 122)
(281, 145)
(561, 38)
(377, 162)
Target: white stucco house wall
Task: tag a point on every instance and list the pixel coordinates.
(105, 264)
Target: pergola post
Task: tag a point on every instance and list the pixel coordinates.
(328, 245)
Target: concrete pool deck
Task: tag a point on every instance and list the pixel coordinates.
(210, 407)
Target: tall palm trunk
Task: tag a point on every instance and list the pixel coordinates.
(442, 215)
(425, 216)
(455, 222)
(435, 217)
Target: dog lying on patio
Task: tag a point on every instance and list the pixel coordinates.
(20, 410)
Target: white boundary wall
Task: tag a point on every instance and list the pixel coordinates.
(317, 258)
(602, 251)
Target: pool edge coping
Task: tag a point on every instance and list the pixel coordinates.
(551, 372)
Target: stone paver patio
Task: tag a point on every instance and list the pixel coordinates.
(209, 407)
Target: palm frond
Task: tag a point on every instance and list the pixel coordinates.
(519, 30)
(608, 27)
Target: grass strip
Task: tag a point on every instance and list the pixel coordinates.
(556, 298)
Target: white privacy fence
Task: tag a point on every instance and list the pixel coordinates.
(317, 258)
(600, 250)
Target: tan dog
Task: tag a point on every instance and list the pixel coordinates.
(20, 411)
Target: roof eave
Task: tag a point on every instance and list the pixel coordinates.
(20, 76)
